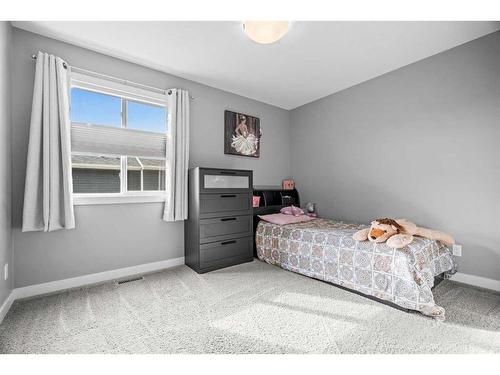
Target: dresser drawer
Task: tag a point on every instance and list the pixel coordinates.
(223, 228)
(225, 251)
(212, 205)
(223, 180)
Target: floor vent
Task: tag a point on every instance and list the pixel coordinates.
(130, 280)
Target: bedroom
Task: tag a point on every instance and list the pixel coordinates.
(361, 120)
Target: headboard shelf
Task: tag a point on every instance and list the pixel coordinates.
(272, 200)
(276, 197)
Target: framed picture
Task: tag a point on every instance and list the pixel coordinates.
(288, 184)
(241, 134)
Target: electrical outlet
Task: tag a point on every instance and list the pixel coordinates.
(6, 271)
(457, 250)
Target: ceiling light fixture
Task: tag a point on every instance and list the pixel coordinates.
(265, 32)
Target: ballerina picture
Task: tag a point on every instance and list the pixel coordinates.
(241, 134)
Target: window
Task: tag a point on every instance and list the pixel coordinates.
(145, 174)
(89, 107)
(118, 138)
(96, 174)
(146, 117)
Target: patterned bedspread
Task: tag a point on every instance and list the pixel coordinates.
(324, 249)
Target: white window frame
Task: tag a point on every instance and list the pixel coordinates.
(125, 93)
(94, 199)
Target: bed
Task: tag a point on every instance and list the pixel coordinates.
(324, 249)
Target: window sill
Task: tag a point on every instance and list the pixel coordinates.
(94, 199)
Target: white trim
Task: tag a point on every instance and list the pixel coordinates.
(4, 309)
(92, 199)
(76, 282)
(479, 281)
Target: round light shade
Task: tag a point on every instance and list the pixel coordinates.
(265, 32)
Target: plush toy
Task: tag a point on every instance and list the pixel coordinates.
(399, 233)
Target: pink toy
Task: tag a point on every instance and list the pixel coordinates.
(292, 210)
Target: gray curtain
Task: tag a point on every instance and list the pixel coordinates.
(176, 204)
(48, 202)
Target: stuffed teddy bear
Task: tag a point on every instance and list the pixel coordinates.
(399, 233)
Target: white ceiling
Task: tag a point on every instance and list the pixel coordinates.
(313, 60)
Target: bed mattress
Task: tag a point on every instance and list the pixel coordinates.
(324, 249)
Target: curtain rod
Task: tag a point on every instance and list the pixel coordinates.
(169, 92)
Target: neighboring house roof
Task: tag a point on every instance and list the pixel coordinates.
(110, 162)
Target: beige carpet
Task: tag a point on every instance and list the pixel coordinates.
(251, 308)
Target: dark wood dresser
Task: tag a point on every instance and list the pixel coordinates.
(219, 229)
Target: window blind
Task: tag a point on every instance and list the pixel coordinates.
(106, 140)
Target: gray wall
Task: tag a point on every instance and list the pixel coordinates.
(5, 157)
(421, 142)
(114, 236)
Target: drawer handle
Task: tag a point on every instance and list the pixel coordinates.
(228, 219)
(228, 196)
(228, 242)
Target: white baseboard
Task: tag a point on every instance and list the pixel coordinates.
(482, 282)
(4, 309)
(75, 282)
